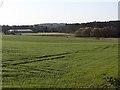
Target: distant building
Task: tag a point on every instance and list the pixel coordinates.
(19, 31)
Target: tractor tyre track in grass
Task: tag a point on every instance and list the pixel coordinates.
(50, 57)
(41, 58)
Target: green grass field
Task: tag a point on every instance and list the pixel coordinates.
(57, 62)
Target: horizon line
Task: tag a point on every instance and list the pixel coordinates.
(57, 23)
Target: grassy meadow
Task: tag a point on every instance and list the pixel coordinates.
(57, 62)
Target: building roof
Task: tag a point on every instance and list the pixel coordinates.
(20, 30)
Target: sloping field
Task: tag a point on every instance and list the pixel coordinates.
(58, 62)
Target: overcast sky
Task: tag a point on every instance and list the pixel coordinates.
(29, 12)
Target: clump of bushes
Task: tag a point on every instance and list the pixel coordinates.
(78, 32)
(97, 32)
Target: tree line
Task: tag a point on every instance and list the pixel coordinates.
(99, 29)
(97, 32)
(90, 29)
